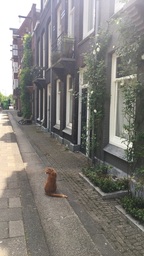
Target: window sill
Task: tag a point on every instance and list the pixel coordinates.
(68, 131)
(57, 126)
(115, 151)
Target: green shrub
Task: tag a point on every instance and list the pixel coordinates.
(99, 177)
(134, 206)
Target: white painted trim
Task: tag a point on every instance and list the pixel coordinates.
(58, 93)
(68, 102)
(49, 106)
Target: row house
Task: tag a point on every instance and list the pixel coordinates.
(27, 27)
(62, 36)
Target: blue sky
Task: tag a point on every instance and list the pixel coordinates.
(9, 19)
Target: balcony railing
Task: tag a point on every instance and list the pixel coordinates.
(63, 48)
(38, 72)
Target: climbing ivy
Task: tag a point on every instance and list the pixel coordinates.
(26, 76)
(95, 76)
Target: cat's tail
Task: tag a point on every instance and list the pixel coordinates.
(57, 195)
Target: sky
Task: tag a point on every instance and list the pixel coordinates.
(9, 19)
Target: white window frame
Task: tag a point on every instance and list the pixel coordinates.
(69, 101)
(118, 5)
(15, 50)
(83, 85)
(59, 22)
(39, 54)
(113, 139)
(49, 45)
(58, 96)
(71, 13)
(15, 83)
(44, 3)
(15, 67)
(43, 46)
(49, 106)
(87, 15)
(43, 118)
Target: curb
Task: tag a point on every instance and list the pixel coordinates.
(135, 222)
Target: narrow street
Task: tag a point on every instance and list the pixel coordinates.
(34, 224)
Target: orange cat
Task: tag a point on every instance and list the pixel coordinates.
(50, 186)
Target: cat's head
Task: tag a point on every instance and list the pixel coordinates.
(50, 171)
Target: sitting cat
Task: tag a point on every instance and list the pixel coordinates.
(50, 186)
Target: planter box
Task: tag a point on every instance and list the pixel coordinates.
(104, 195)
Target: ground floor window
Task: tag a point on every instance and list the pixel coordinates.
(58, 94)
(117, 115)
(69, 101)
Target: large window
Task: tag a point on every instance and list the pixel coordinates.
(88, 17)
(58, 95)
(15, 50)
(49, 45)
(69, 101)
(71, 18)
(43, 45)
(59, 22)
(15, 67)
(118, 5)
(44, 3)
(39, 54)
(117, 116)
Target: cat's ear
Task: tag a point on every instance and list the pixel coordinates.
(46, 170)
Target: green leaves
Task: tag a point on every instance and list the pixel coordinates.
(95, 75)
(26, 76)
(99, 177)
(134, 206)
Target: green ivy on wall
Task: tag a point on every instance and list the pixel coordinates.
(95, 76)
(26, 76)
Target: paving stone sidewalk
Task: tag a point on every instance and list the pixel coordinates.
(109, 230)
(12, 238)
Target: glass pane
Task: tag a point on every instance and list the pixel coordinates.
(120, 118)
(70, 109)
(90, 14)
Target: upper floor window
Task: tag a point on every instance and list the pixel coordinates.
(59, 21)
(88, 17)
(39, 54)
(118, 5)
(71, 18)
(15, 50)
(43, 55)
(15, 67)
(44, 3)
(49, 45)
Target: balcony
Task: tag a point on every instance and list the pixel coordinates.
(38, 74)
(63, 52)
